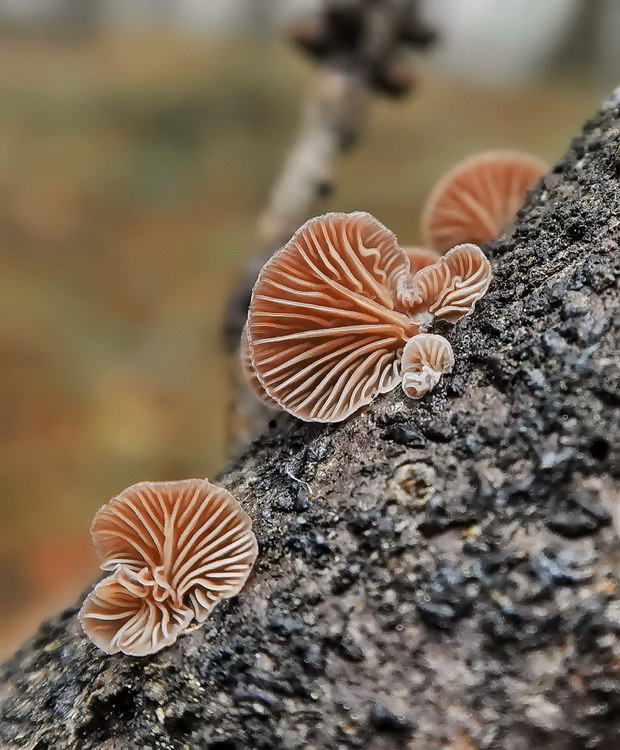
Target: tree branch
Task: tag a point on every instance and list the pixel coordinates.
(438, 574)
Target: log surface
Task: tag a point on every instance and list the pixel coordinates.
(434, 574)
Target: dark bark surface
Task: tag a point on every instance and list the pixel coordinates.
(434, 574)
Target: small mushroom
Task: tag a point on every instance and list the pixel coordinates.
(420, 257)
(328, 317)
(173, 547)
(250, 373)
(426, 358)
(128, 612)
(450, 288)
(479, 198)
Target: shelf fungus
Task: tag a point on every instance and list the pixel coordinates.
(479, 198)
(332, 311)
(174, 549)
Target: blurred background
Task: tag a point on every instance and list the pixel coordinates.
(139, 140)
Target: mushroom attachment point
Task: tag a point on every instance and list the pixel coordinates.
(426, 358)
(329, 317)
(479, 198)
(450, 288)
(175, 550)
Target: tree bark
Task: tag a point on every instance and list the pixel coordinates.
(434, 574)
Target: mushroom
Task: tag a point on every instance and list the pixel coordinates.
(249, 372)
(331, 312)
(479, 197)
(450, 288)
(125, 613)
(174, 548)
(328, 317)
(426, 358)
(420, 257)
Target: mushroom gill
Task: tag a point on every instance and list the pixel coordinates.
(176, 549)
(450, 288)
(126, 612)
(426, 358)
(328, 317)
(479, 198)
(249, 372)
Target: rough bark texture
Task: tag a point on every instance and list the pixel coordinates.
(434, 574)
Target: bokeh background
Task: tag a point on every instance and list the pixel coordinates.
(138, 143)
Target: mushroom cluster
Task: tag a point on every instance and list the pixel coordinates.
(174, 550)
(337, 316)
(340, 314)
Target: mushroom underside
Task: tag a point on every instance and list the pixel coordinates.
(174, 550)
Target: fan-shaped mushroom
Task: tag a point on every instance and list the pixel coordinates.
(332, 310)
(450, 288)
(174, 548)
(426, 358)
(128, 612)
(477, 199)
(328, 317)
(194, 536)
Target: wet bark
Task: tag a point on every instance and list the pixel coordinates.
(434, 574)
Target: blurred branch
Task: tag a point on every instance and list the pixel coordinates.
(360, 45)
